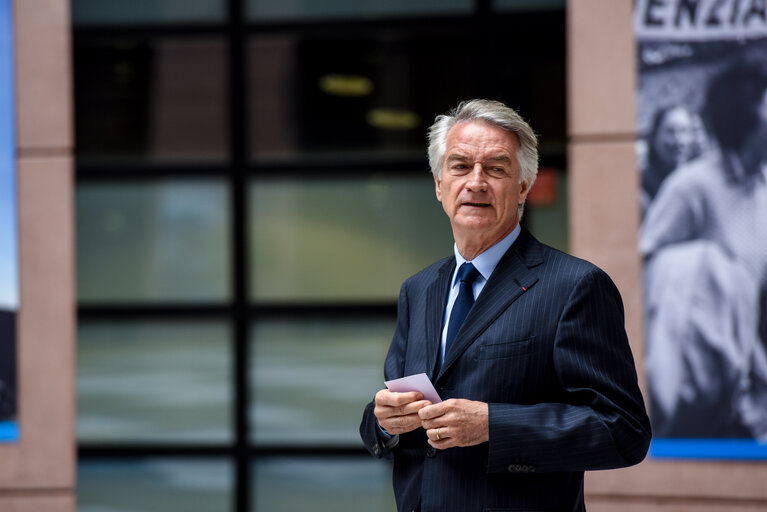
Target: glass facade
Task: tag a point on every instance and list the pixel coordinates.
(322, 485)
(317, 239)
(153, 241)
(151, 100)
(154, 381)
(308, 377)
(528, 5)
(117, 12)
(278, 10)
(155, 485)
(252, 189)
(352, 96)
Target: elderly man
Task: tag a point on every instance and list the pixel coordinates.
(525, 345)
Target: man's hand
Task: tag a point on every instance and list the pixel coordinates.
(397, 413)
(455, 422)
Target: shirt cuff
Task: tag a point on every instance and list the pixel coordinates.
(389, 441)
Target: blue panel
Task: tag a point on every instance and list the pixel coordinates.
(743, 449)
(9, 293)
(9, 431)
(8, 258)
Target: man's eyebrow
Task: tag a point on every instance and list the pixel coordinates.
(499, 158)
(453, 157)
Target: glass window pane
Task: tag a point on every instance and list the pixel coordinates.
(164, 382)
(151, 100)
(154, 485)
(90, 12)
(311, 378)
(319, 97)
(323, 484)
(350, 239)
(153, 241)
(546, 209)
(529, 5)
(322, 96)
(270, 10)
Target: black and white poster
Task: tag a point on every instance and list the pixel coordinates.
(702, 155)
(9, 295)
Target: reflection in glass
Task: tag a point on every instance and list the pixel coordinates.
(154, 485)
(92, 12)
(315, 98)
(151, 100)
(311, 378)
(547, 219)
(342, 95)
(270, 10)
(350, 239)
(164, 382)
(153, 241)
(323, 484)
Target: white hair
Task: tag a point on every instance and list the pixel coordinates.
(493, 112)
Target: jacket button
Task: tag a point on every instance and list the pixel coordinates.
(431, 451)
(377, 450)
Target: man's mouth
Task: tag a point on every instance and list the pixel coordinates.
(477, 205)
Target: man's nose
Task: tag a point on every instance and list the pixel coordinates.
(476, 177)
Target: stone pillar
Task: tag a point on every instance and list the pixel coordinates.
(37, 474)
(604, 219)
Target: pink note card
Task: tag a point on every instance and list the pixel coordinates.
(419, 382)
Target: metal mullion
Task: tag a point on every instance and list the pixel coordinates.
(309, 451)
(324, 310)
(148, 30)
(119, 172)
(238, 182)
(352, 26)
(355, 168)
(168, 310)
(150, 450)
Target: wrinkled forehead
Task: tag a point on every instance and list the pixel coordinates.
(476, 137)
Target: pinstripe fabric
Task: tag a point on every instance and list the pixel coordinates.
(545, 346)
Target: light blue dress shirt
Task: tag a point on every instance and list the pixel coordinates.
(485, 263)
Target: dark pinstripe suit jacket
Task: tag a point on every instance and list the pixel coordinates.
(545, 346)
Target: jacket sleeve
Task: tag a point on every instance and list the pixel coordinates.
(599, 420)
(377, 442)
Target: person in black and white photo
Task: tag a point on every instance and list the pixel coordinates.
(706, 271)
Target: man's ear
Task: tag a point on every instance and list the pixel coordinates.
(524, 189)
(437, 183)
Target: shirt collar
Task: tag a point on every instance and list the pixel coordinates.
(488, 260)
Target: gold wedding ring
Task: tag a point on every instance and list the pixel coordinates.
(437, 434)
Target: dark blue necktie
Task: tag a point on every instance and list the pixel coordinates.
(467, 274)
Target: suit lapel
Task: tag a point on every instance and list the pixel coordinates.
(510, 279)
(436, 299)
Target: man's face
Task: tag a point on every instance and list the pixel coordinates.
(480, 189)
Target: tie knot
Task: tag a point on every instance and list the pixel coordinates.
(468, 273)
